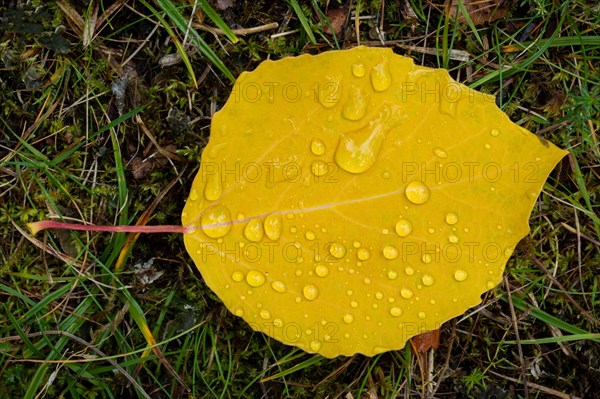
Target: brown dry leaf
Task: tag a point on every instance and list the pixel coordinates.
(349, 201)
(480, 11)
(337, 17)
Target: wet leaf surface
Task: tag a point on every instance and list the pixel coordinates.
(349, 201)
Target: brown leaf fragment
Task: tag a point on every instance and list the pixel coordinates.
(480, 11)
(139, 168)
(337, 17)
(425, 341)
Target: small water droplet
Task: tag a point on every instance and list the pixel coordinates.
(487, 146)
(355, 106)
(356, 244)
(237, 276)
(440, 152)
(509, 251)
(213, 188)
(317, 146)
(363, 254)
(392, 274)
(417, 192)
(254, 278)
(265, 314)
(385, 174)
(337, 250)
(453, 238)
(422, 315)
(354, 304)
(310, 235)
(390, 252)
(321, 270)
(216, 222)
(379, 295)
(451, 218)
(278, 286)
(426, 258)
(273, 226)
(239, 312)
(278, 323)
(431, 230)
(406, 293)
(490, 284)
(254, 230)
(495, 132)
(403, 227)
(359, 70)
(315, 346)
(318, 168)
(381, 78)
(310, 292)
(460, 275)
(427, 280)
(367, 281)
(409, 270)
(396, 311)
(348, 318)
(194, 195)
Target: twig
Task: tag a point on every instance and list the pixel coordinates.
(542, 388)
(518, 339)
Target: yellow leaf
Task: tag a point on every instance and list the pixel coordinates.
(351, 200)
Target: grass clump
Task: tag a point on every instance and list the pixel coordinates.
(105, 108)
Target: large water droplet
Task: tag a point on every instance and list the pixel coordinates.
(237, 276)
(427, 280)
(417, 192)
(390, 252)
(265, 314)
(460, 275)
(337, 250)
(357, 150)
(396, 311)
(381, 78)
(213, 188)
(254, 278)
(317, 146)
(453, 238)
(355, 106)
(403, 227)
(359, 70)
(254, 230)
(321, 270)
(451, 218)
(310, 292)
(278, 286)
(363, 254)
(216, 222)
(273, 226)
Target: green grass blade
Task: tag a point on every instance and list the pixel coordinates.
(217, 20)
(303, 20)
